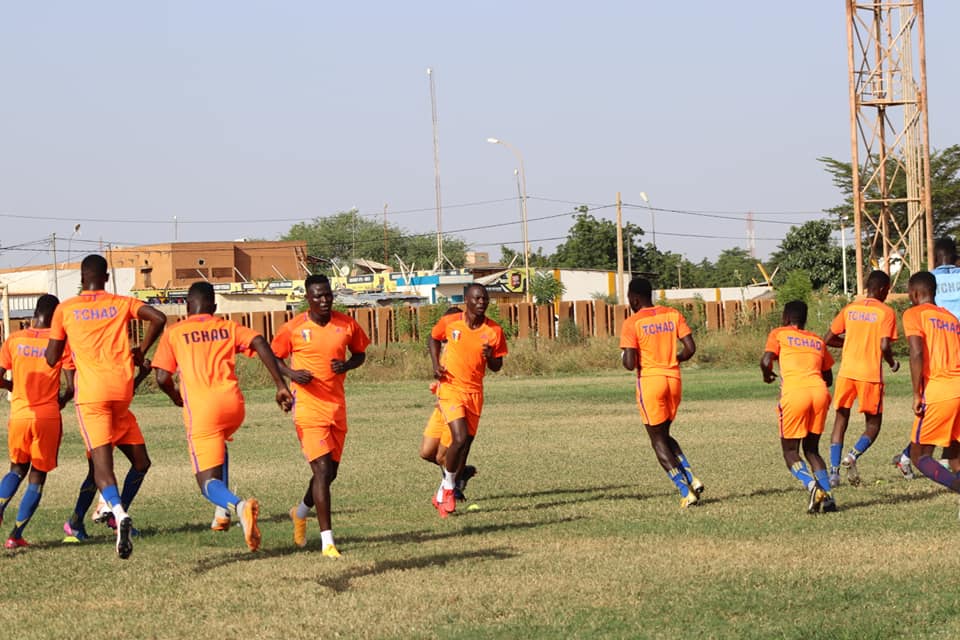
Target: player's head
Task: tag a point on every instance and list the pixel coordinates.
(93, 272)
(43, 313)
(201, 298)
(878, 285)
(795, 313)
(476, 299)
(945, 251)
(640, 293)
(319, 294)
(922, 287)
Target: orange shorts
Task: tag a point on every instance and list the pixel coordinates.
(316, 442)
(939, 425)
(35, 440)
(103, 423)
(454, 404)
(869, 395)
(658, 398)
(209, 428)
(437, 428)
(802, 411)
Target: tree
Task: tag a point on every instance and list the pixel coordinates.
(592, 243)
(536, 259)
(734, 268)
(944, 189)
(346, 236)
(796, 286)
(810, 248)
(545, 288)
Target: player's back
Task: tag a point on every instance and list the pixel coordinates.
(864, 323)
(940, 331)
(802, 354)
(948, 288)
(654, 332)
(205, 348)
(36, 385)
(97, 325)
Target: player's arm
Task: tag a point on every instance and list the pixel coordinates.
(494, 363)
(67, 387)
(165, 382)
(827, 375)
(916, 372)
(283, 397)
(689, 348)
(887, 350)
(628, 357)
(54, 351)
(834, 340)
(4, 383)
(766, 366)
(157, 320)
(342, 366)
(438, 369)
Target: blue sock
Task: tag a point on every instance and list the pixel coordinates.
(836, 452)
(862, 445)
(906, 450)
(131, 485)
(28, 505)
(822, 479)
(800, 472)
(88, 489)
(679, 479)
(8, 487)
(217, 492)
(936, 472)
(686, 468)
(111, 495)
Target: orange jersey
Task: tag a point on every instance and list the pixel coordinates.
(654, 332)
(96, 324)
(864, 323)
(311, 346)
(36, 385)
(203, 349)
(803, 357)
(940, 331)
(463, 356)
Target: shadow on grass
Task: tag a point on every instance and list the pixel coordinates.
(893, 499)
(558, 491)
(342, 582)
(600, 497)
(469, 530)
(209, 564)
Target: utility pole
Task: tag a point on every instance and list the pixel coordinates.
(386, 252)
(436, 167)
(56, 274)
(620, 292)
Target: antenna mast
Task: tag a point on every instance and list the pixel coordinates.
(751, 236)
(436, 166)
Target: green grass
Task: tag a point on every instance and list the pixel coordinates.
(578, 534)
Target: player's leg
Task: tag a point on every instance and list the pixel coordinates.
(18, 446)
(10, 483)
(840, 422)
(939, 426)
(324, 473)
(214, 489)
(74, 527)
(465, 472)
(445, 500)
(139, 465)
(28, 506)
(430, 449)
(659, 435)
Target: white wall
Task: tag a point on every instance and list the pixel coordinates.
(68, 280)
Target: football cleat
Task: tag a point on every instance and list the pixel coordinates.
(853, 475)
(468, 472)
(16, 543)
(103, 514)
(299, 528)
(330, 551)
(817, 496)
(221, 520)
(448, 503)
(74, 535)
(689, 500)
(249, 512)
(829, 505)
(696, 486)
(834, 479)
(902, 463)
(124, 544)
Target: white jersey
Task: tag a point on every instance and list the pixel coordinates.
(948, 288)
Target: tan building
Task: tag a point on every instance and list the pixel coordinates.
(179, 264)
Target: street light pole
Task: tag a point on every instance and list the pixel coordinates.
(523, 213)
(843, 254)
(653, 220)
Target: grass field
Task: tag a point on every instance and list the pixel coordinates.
(578, 532)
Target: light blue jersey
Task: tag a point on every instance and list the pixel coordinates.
(948, 288)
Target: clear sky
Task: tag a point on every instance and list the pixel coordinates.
(243, 117)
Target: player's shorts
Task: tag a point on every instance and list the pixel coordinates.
(103, 423)
(802, 411)
(454, 404)
(35, 440)
(436, 426)
(939, 425)
(869, 395)
(209, 428)
(318, 441)
(658, 398)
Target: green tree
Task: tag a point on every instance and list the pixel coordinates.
(346, 236)
(812, 249)
(545, 288)
(944, 189)
(796, 286)
(536, 259)
(734, 268)
(592, 243)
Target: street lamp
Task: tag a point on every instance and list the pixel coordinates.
(653, 220)
(76, 230)
(523, 211)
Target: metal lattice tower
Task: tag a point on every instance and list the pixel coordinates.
(889, 134)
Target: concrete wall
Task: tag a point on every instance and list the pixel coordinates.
(67, 282)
